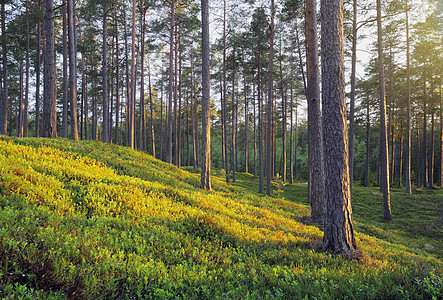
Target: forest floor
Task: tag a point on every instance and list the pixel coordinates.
(92, 220)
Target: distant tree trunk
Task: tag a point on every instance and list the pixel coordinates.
(117, 88)
(269, 148)
(300, 57)
(400, 161)
(384, 162)
(194, 118)
(352, 95)
(105, 127)
(368, 127)
(176, 147)
(72, 69)
(205, 182)
(179, 123)
(85, 98)
(284, 116)
(171, 85)
(291, 136)
(339, 231)
(424, 151)
(260, 123)
(431, 154)
(4, 98)
(20, 118)
(441, 141)
(151, 110)
(142, 134)
(246, 126)
(26, 102)
(65, 73)
(37, 80)
(49, 112)
(131, 104)
(255, 127)
(408, 186)
(161, 114)
(392, 143)
(234, 116)
(316, 176)
(419, 170)
(225, 134)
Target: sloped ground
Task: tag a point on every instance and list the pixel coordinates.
(90, 220)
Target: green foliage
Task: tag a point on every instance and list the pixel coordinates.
(91, 220)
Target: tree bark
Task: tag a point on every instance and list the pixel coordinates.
(339, 232)
(368, 127)
(316, 177)
(352, 95)
(72, 69)
(65, 73)
(234, 116)
(105, 126)
(269, 148)
(142, 128)
(384, 162)
(26, 102)
(4, 98)
(151, 110)
(408, 186)
(246, 125)
(117, 88)
(291, 135)
(49, 112)
(260, 124)
(171, 83)
(37, 80)
(205, 182)
(20, 118)
(225, 133)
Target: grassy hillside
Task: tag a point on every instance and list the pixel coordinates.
(89, 220)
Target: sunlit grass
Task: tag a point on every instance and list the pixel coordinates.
(86, 219)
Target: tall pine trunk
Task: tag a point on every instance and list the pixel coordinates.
(49, 112)
(105, 103)
(316, 176)
(72, 48)
(205, 182)
(269, 148)
(408, 186)
(65, 72)
(384, 162)
(37, 79)
(171, 86)
(339, 232)
(352, 95)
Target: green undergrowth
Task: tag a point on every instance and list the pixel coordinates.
(91, 220)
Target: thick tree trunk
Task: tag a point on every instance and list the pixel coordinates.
(65, 72)
(384, 162)
(269, 148)
(316, 178)
(179, 120)
(205, 182)
(255, 126)
(339, 232)
(72, 69)
(49, 112)
(85, 98)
